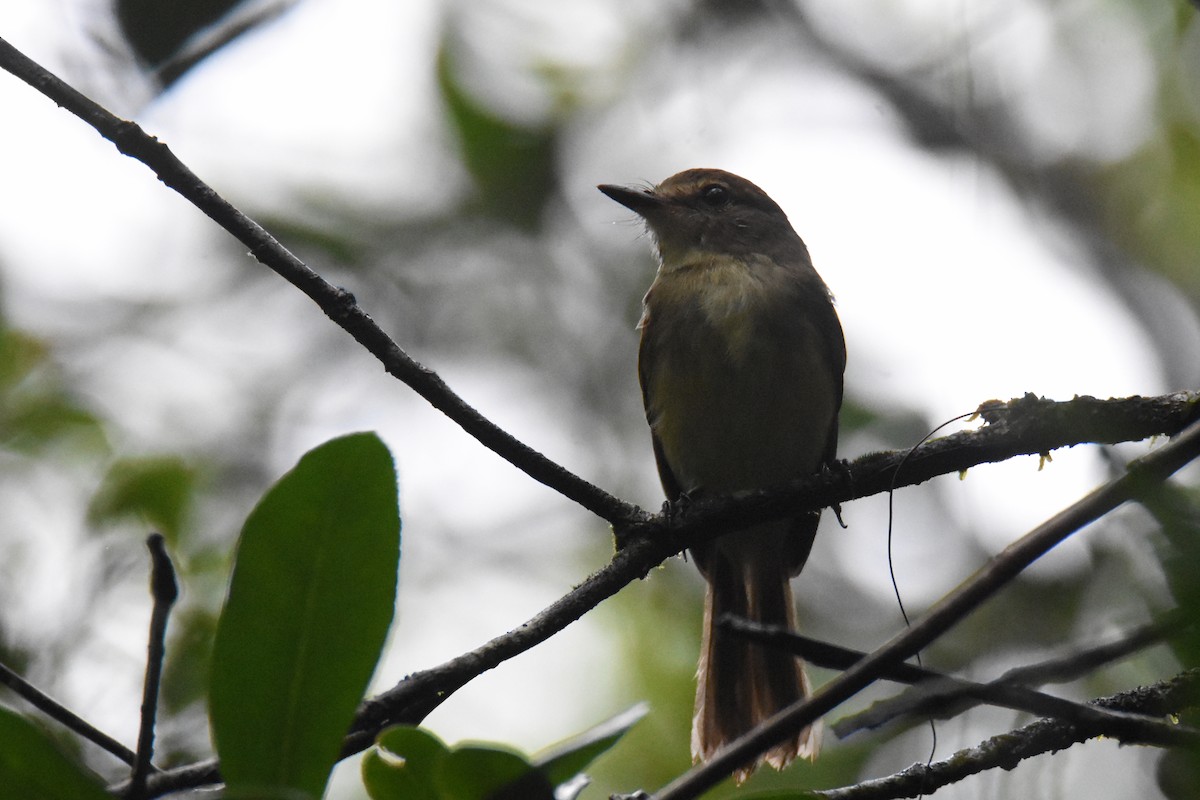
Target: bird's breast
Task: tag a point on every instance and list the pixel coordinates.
(735, 377)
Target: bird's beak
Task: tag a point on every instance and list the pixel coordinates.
(641, 201)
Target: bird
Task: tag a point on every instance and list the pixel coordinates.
(741, 363)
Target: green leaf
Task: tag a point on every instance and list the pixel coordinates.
(309, 605)
(31, 766)
(404, 765)
(409, 763)
(570, 758)
(42, 421)
(482, 772)
(158, 490)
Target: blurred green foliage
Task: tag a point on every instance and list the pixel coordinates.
(37, 409)
(512, 165)
(31, 766)
(157, 491)
(1177, 511)
(1151, 199)
(185, 673)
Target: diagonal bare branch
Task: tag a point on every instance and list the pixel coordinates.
(1007, 750)
(60, 713)
(942, 695)
(338, 304)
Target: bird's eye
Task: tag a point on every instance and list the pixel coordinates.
(714, 195)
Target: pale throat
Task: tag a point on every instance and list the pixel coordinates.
(729, 291)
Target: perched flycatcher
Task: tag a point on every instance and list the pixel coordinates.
(741, 364)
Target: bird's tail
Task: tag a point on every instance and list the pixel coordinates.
(741, 683)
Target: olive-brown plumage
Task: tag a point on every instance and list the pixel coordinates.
(740, 363)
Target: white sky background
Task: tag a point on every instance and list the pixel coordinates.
(950, 290)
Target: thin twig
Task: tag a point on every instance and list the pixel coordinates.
(201, 773)
(164, 590)
(1013, 685)
(1155, 467)
(56, 711)
(1055, 670)
(816, 652)
(1009, 749)
(944, 695)
(947, 696)
(420, 693)
(241, 18)
(1071, 666)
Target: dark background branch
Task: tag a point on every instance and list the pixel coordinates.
(1009, 749)
(943, 696)
(59, 713)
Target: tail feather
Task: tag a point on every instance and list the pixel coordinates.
(741, 683)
